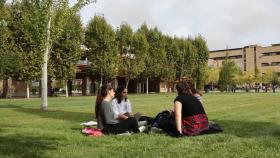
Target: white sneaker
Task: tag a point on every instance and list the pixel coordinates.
(142, 123)
(125, 134)
(142, 128)
(156, 130)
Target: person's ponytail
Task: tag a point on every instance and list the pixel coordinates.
(98, 102)
(102, 93)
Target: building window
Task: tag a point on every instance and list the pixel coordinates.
(219, 58)
(275, 64)
(235, 57)
(270, 53)
(265, 64)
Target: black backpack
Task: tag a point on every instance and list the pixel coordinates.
(161, 117)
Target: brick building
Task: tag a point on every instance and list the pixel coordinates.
(249, 58)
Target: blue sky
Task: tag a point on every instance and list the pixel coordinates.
(232, 23)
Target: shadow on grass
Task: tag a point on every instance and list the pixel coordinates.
(9, 106)
(248, 129)
(26, 147)
(244, 129)
(58, 114)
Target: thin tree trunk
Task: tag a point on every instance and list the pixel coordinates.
(140, 87)
(96, 88)
(127, 82)
(5, 88)
(137, 87)
(70, 87)
(101, 80)
(27, 90)
(40, 86)
(147, 86)
(66, 89)
(44, 79)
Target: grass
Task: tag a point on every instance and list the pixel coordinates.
(251, 123)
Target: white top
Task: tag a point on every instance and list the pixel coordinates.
(123, 107)
(198, 97)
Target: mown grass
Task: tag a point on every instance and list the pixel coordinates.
(251, 125)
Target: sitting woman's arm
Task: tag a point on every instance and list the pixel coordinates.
(117, 115)
(121, 117)
(178, 116)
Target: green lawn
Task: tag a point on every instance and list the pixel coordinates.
(251, 123)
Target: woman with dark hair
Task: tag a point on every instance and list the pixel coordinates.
(190, 116)
(106, 119)
(121, 104)
(123, 109)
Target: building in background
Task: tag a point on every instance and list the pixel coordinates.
(249, 58)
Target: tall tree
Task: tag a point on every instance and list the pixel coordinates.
(172, 55)
(9, 59)
(66, 50)
(124, 36)
(156, 55)
(211, 76)
(133, 49)
(270, 76)
(201, 59)
(136, 58)
(228, 70)
(25, 40)
(186, 57)
(48, 10)
(100, 40)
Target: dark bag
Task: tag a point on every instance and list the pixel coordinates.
(161, 117)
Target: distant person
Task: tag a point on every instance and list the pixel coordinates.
(107, 120)
(196, 93)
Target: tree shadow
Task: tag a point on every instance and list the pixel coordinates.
(9, 106)
(58, 114)
(26, 146)
(249, 129)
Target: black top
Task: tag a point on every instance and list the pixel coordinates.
(190, 105)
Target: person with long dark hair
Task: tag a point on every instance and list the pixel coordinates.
(121, 104)
(189, 115)
(123, 109)
(107, 120)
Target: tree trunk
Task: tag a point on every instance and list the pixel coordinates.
(101, 78)
(70, 87)
(40, 86)
(96, 88)
(137, 87)
(44, 79)
(127, 82)
(66, 89)
(27, 90)
(5, 88)
(147, 86)
(140, 86)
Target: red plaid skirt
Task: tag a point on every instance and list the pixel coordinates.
(193, 125)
